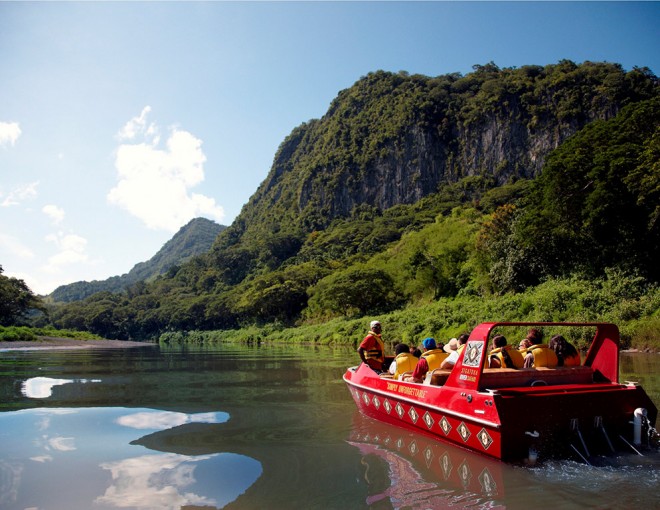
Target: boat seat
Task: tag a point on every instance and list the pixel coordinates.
(437, 377)
(511, 377)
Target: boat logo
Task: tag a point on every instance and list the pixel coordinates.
(413, 415)
(376, 402)
(387, 406)
(465, 474)
(365, 397)
(488, 485)
(485, 439)
(445, 463)
(464, 432)
(428, 420)
(473, 354)
(428, 457)
(445, 426)
(400, 410)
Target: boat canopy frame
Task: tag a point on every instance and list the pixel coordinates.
(602, 356)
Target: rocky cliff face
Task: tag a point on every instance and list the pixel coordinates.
(394, 139)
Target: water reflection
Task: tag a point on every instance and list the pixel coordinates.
(423, 472)
(148, 426)
(42, 387)
(43, 451)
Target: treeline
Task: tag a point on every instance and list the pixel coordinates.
(329, 236)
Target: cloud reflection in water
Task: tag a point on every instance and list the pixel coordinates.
(94, 446)
(42, 387)
(154, 481)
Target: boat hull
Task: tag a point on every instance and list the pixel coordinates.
(507, 423)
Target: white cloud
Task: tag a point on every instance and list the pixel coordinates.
(9, 133)
(11, 245)
(154, 183)
(154, 481)
(21, 193)
(138, 126)
(72, 250)
(42, 458)
(41, 387)
(161, 420)
(56, 214)
(62, 444)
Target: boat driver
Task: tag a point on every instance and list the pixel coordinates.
(372, 349)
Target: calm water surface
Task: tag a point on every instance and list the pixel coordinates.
(239, 427)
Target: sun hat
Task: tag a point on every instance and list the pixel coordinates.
(429, 343)
(452, 345)
(374, 324)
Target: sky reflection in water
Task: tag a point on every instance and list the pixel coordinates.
(82, 458)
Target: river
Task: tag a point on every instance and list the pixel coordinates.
(254, 427)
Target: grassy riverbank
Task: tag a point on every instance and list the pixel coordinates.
(635, 310)
(27, 334)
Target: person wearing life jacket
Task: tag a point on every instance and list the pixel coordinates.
(372, 348)
(431, 358)
(404, 361)
(539, 354)
(503, 355)
(567, 354)
(524, 345)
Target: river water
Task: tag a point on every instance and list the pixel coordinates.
(256, 427)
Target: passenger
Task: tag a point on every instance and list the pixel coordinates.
(567, 354)
(462, 340)
(416, 351)
(504, 355)
(431, 359)
(452, 348)
(404, 361)
(372, 349)
(524, 345)
(539, 354)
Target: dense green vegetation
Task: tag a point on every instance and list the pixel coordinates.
(436, 204)
(625, 300)
(30, 334)
(17, 301)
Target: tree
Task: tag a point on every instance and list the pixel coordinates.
(16, 300)
(360, 290)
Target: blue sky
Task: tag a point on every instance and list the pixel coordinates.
(121, 121)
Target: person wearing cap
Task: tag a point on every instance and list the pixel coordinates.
(452, 350)
(431, 359)
(372, 348)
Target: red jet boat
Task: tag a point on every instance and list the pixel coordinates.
(517, 414)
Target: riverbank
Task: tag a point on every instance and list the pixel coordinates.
(70, 343)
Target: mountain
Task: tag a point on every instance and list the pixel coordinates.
(413, 188)
(393, 139)
(194, 238)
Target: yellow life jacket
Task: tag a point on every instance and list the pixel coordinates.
(573, 361)
(405, 362)
(516, 356)
(434, 357)
(543, 356)
(376, 354)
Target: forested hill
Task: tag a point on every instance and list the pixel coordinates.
(194, 238)
(412, 188)
(393, 139)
